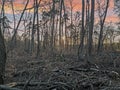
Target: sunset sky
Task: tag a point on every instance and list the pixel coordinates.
(111, 17)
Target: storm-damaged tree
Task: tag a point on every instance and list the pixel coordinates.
(102, 12)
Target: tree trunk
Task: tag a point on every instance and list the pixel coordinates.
(52, 27)
(60, 24)
(16, 29)
(102, 20)
(80, 49)
(33, 31)
(91, 25)
(38, 31)
(2, 58)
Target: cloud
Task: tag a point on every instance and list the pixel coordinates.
(19, 5)
(112, 19)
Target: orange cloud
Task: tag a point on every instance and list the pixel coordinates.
(77, 5)
(18, 6)
(112, 19)
(21, 6)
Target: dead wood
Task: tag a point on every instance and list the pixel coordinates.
(27, 82)
(111, 88)
(41, 84)
(3, 87)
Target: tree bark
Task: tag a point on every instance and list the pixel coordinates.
(52, 27)
(80, 49)
(91, 25)
(102, 20)
(2, 58)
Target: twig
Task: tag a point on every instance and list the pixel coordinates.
(25, 86)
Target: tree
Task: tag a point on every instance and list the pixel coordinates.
(38, 31)
(33, 29)
(2, 46)
(2, 57)
(80, 49)
(117, 9)
(13, 40)
(53, 26)
(91, 25)
(60, 22)
(117, 6)
(102, 12)
(3, 15)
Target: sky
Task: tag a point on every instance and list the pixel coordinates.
(111, 16)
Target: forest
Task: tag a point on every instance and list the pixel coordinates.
(59, 44)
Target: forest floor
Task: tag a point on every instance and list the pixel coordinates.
(63, 72)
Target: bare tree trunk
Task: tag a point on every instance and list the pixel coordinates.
(25, 39)
(3, 16)
(2, 46)
(52, 27)
(80, 49)
(12, 43)
(38, 31)
(13, 11)
(91, 25)
(33, 30)
(65, 18)
(56, 27)
(15, 32)
(102, 18)
(71, 16)
(2, 58)
(87, 23)
(60, 23)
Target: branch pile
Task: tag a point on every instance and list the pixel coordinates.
(73, 78)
